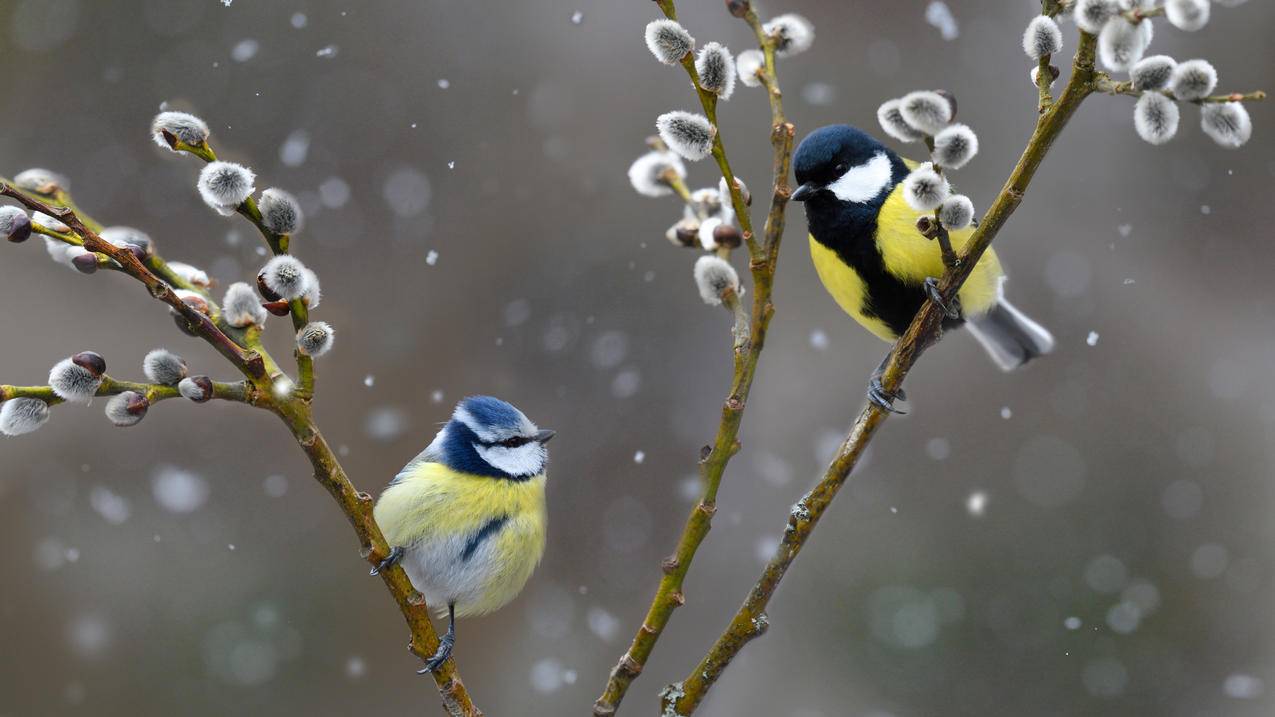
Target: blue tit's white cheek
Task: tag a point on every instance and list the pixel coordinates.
(864, 182)
(521, 461)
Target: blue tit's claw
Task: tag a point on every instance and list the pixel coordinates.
(445, 644)
(951, 311)
(882, 398)
(396, 554)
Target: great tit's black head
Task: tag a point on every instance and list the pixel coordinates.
(840, 162)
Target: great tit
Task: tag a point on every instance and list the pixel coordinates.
(467, 516)
(868, 252)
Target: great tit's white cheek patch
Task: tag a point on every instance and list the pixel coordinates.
(521, 461)
(864, 182)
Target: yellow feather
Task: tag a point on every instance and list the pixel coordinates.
(846, 287)
(908, 256)
(432, 502)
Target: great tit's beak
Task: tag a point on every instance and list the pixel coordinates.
(544, 436)
(805, 192)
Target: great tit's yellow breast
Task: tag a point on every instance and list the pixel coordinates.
(912, 258)
(847, 287)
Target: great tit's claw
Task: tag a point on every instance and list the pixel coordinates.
(882, 398)
(396, 554)
(952, 311)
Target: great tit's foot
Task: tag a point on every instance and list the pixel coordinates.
(952, 310)
(396, 554)
(882, 398)
(445, 645)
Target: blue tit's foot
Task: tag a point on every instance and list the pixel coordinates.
(445, 644)
(952, 310)
(396, 554)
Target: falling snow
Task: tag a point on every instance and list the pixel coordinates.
(940, 16)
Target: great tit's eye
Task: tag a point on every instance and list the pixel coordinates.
(841, 169)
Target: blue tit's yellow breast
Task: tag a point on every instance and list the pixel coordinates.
(431, 500)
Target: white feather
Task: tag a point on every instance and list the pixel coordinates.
(525, 460)
(438, 569)
(864, 182)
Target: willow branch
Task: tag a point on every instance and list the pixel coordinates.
(279, 244)
(249, 363)
(763, 261)
(294, 410)
(291, 407)
(239, 391)
(1108, 86)
(357, 507)
(750, 620)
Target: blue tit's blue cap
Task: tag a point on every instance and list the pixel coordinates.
(490, 412)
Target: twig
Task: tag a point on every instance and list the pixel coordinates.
(763, 260)
(750, 621)
(1105, 85)
(279, 244)
(249, 363)
(240, 391)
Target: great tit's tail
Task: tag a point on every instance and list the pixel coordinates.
(1009, 337)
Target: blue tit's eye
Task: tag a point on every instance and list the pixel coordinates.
(514, 442)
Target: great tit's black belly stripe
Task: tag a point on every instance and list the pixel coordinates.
(474, 541)
(890, 300)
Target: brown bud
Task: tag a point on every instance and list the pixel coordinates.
(170, 138)
(90, 361)
(196, 302)
(951, 100)
(264, 289)
(927, 226)
(738, 8)
(85, 263)
(685, 233)
(21, 229)
(203, 389)
(278, 308)
(137, 404)
(728, 236)
(1054, 72)
(182, 324)
(655, 143)
(704, 452)
(138, 252)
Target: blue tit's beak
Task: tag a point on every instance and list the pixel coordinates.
(805, 192)
(544, 436)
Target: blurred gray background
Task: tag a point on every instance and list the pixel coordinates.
(1090, 536)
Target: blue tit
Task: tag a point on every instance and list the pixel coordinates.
(466, 517)
(880, 269)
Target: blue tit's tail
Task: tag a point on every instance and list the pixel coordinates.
(1009, 337)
